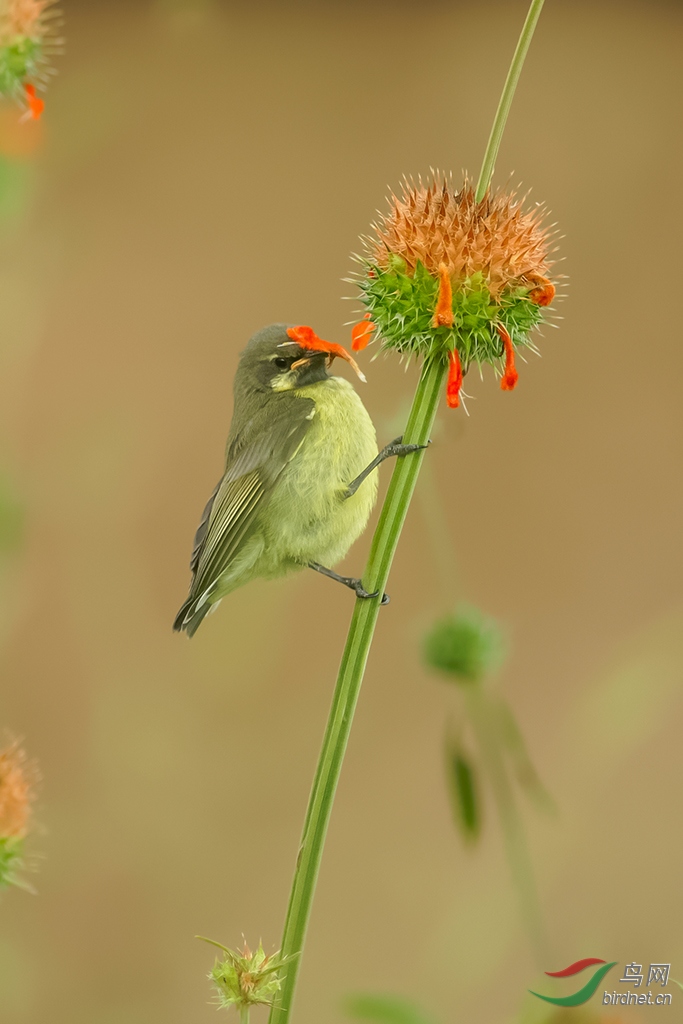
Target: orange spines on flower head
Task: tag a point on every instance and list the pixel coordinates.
(17, 782)
(441, 273)
(16, 792)
(435, 224)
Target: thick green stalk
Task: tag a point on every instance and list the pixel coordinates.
(365, 613)
(506, 100)
(429, 393)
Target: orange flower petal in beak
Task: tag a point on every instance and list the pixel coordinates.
(361, 334)
(454, 381)
(307, 338)
(509, 379)
(35, 104)
(443, 314)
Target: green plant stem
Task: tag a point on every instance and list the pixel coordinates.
(482, 717)
(244, 1015)
(501, 117)
(365, 613)
(428, 394)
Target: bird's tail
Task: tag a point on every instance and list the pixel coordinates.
(190, 617)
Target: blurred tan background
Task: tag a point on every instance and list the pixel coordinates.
(204, 170)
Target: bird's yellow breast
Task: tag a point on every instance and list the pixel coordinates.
(308, 518)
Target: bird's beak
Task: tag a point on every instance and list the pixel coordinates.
(307, 338)
(301, 362)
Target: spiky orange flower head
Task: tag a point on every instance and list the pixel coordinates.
(444, 275)
(21, 17)
(27, 40)
(435, 225)
(17, 780)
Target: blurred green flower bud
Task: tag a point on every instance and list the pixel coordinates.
(467, 645)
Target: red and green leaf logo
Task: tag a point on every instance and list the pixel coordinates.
(588, 990)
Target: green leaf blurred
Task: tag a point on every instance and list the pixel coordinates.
(524, 769)
(464, 792)
(384, 1010)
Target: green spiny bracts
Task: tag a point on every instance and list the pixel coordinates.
(27, 41)
(402, 306)
(11, 860)
(445, 277)
(244, 979)
(19, 60)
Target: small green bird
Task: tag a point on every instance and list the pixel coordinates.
(299, 481)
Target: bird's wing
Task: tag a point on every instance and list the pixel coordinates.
(256, 458)
(200, 535)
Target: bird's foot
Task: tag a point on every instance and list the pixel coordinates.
(394, 448)
(352, 582)
(357, 586)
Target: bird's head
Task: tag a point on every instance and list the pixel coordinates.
(281, 358)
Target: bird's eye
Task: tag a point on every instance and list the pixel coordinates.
(281, 363)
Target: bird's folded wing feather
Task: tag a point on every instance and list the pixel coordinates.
(256, 458)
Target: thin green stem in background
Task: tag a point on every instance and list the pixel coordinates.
(361, 630)
(505, 103)
(514, 838)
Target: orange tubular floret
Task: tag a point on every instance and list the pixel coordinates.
(543, 291)
(454, 381)
(509, 379)
(306, 337)
(443, 314)
(35, 104)
(362, 333)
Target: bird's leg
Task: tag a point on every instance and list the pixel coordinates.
(395, 447)
(349, 581)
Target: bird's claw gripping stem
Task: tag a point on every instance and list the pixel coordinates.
(360, 591)
(352, 582)
(394, 448)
